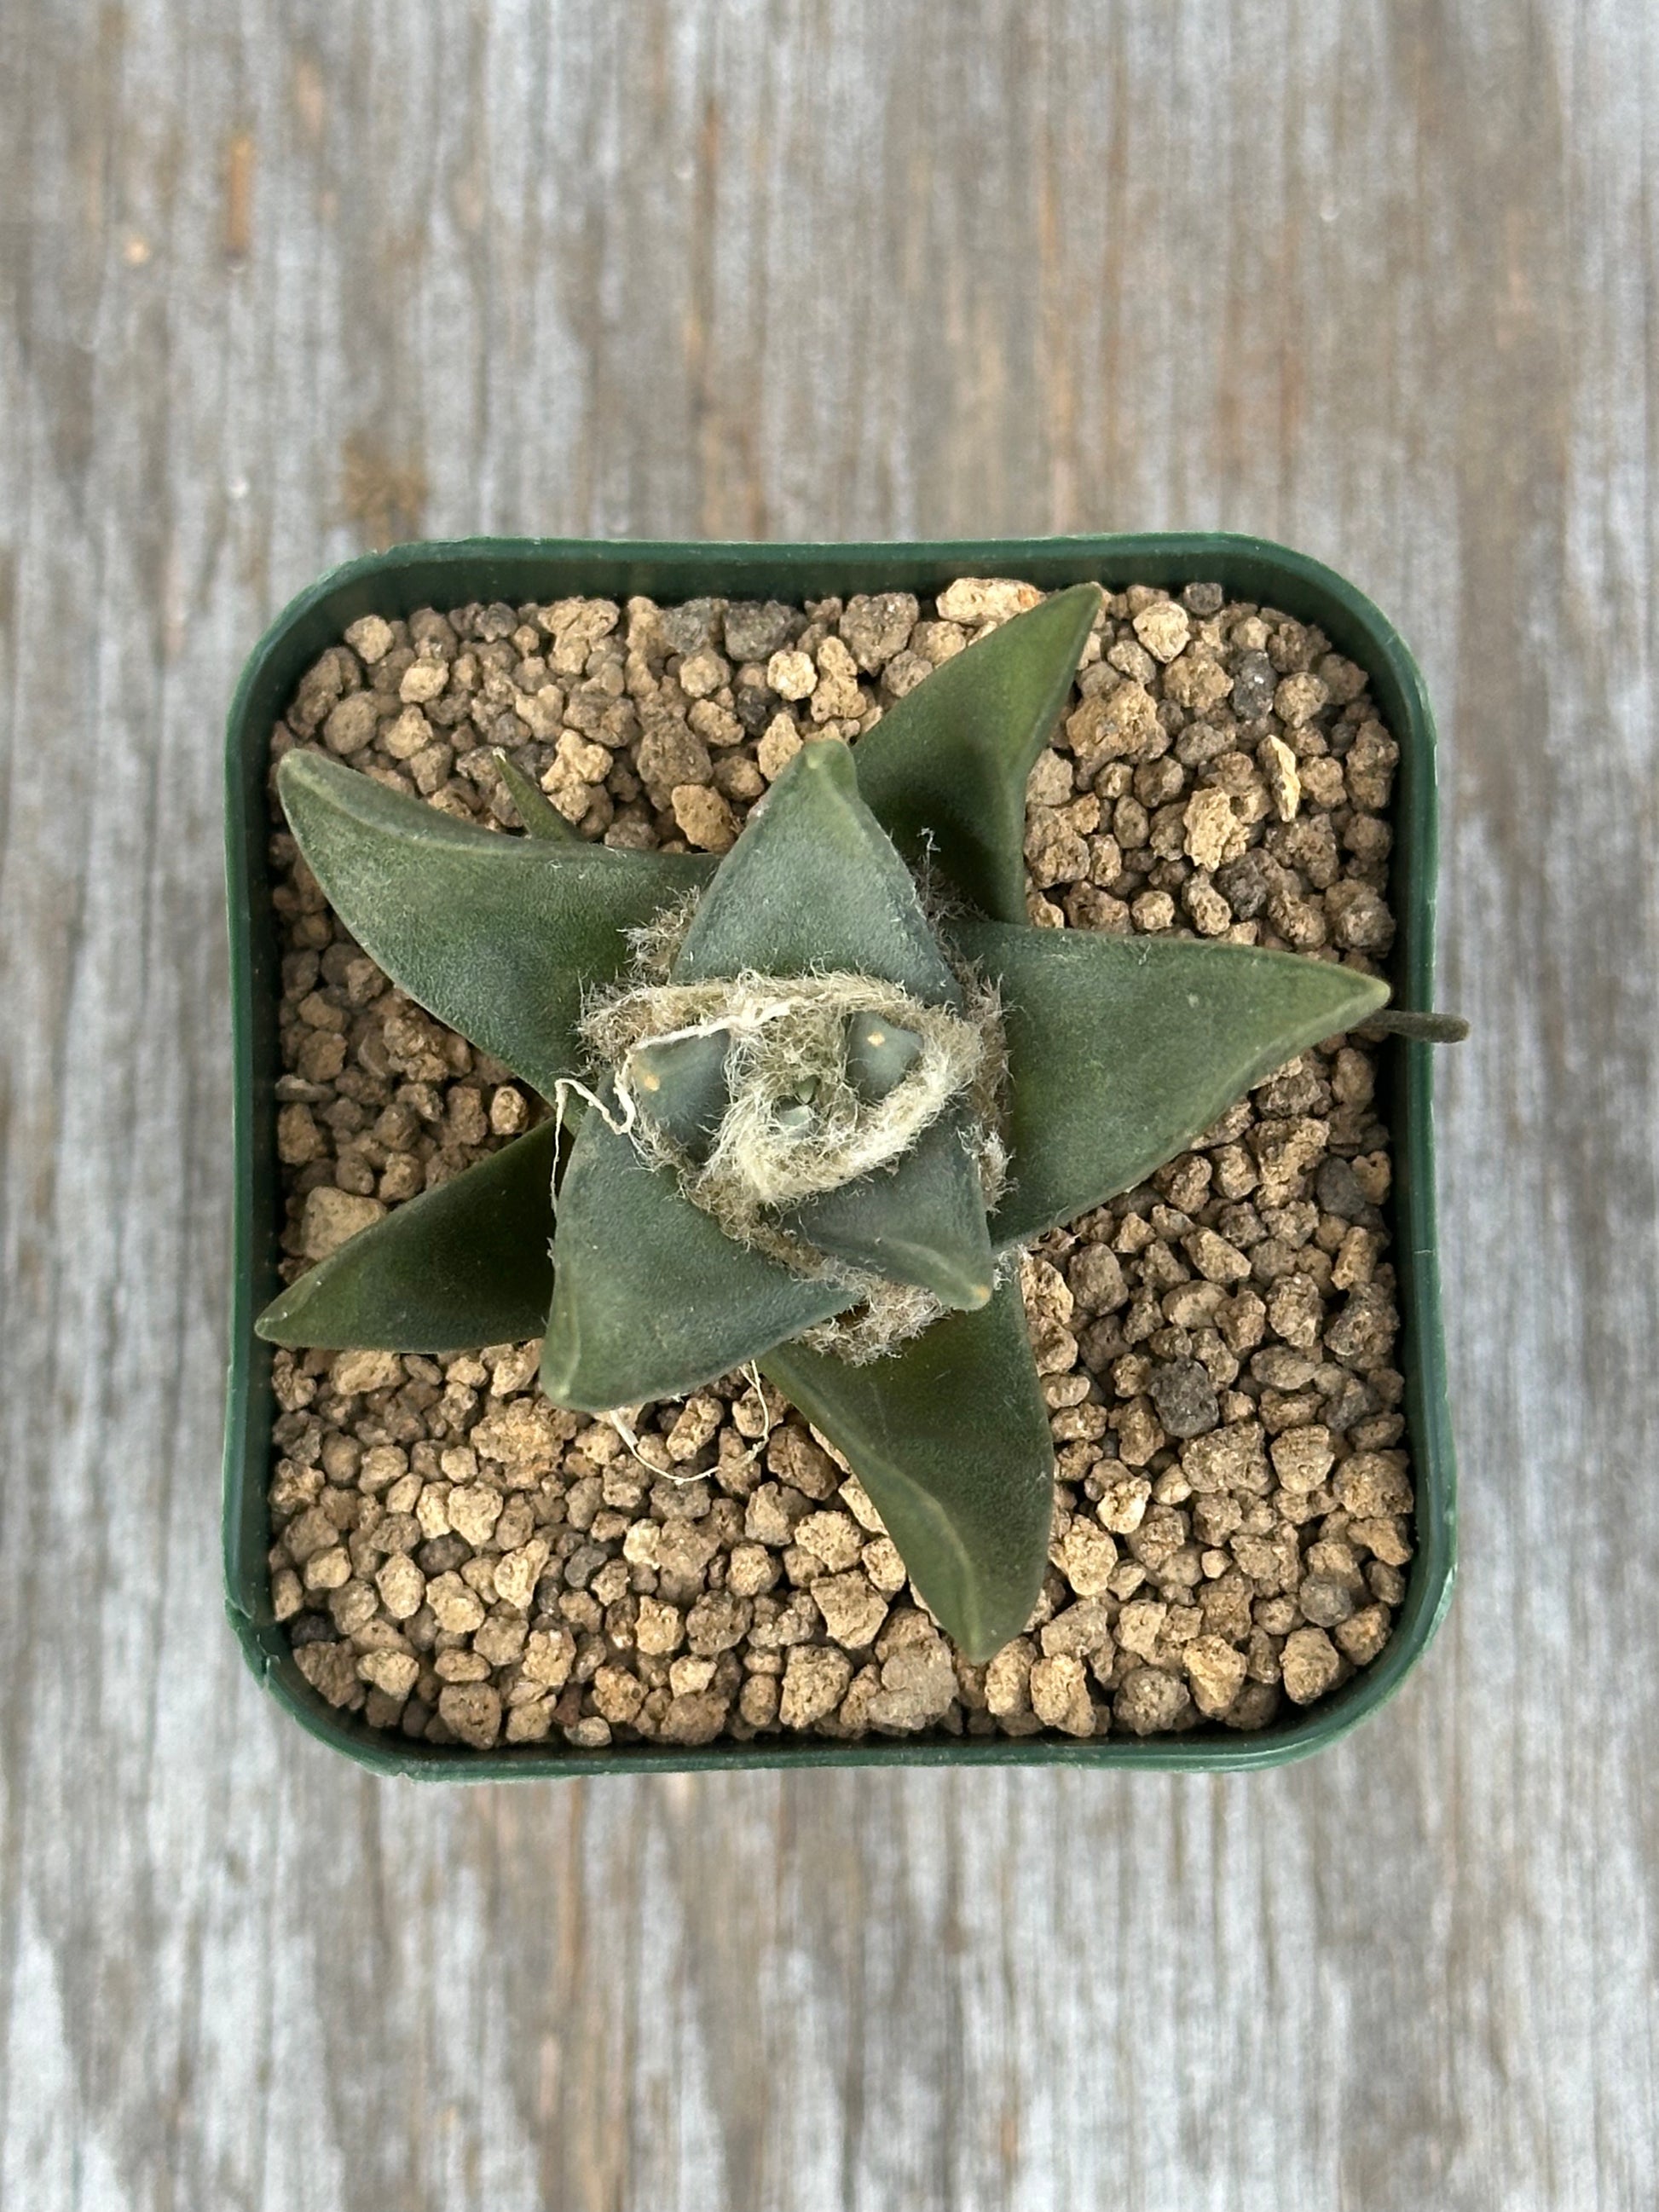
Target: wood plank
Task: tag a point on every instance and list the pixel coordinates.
(1377, 280)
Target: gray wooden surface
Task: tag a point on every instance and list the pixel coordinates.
(277, 281)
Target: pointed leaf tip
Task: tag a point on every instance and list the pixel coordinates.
(496, 935)
(814, 883)
(949, 1436)
(1123, 1050)
(944, 770)
(922, 1222)
(540, 818)
(464, 1265)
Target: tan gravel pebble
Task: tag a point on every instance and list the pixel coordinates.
(1363, 1634)
(1163, 628)
(1303, 1457)
(833, 1537)
(1060, 1696)
(331, 1217)
(1008, 1677)
(705, 817)
(1279, 771)
(793, 676)
(981, 599)
(371, 639)
(1309, 1665)
(1215, 1672)
(696, 1718)
(394, 1672)
(918, 1685)
(402, 1587)
(473, 1509)
(330, 1668)
(1150, 1702)
(1086, 1555)
(815, 1680)
(458, 1560)
(472, 1710)
(355, 1372)
(853, 1612)
(1212, 834)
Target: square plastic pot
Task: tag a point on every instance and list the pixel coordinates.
(394, 584)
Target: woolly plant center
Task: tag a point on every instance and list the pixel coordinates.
(762, 1092)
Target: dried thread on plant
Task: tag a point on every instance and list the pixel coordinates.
(787, 1045)
(568, 1086)
(623, 1419)
(787, 1048)
(653, 945)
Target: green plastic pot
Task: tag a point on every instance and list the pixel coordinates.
(518, 569)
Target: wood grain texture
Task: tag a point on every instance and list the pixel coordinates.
(1375, 279)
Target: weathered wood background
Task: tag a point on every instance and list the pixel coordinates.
(282, 281)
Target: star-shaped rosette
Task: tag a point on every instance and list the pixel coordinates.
(1118, 1051)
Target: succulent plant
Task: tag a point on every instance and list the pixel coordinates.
(815, 1098)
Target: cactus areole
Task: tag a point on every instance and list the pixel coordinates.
(810, 1101)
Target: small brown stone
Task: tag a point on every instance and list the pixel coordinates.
(1303, 1457)
(617, 1695)
(853, 1612)
(1212, 831)
(834, 1538)
(695, 1718)
(918, 1686)
(1150, 1702)
(371, 638)
(351, 725)
(402, 1587)
(1086, 1555)
(1215, 1259)
(815, 1680)
(548, 1655)
(705, 817)
(1215, 1670)
(1228, 1458)
(1007, 1677)
(1278, 770)
(424, 681)
(331, 1217)
(474, 1508)
(459, 1609)
(355, 1372)
(1163, 628)
(1373, 1483)
(1123, 1503)
(716, 1622)
(1060, 1696)
(981, 599)
(473, 1710)
(1325, 1600)
(758, 1701)
(331, 1670)
(393, 1672)
(1309, 1665)
(1363, 1634)
(793, 676)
